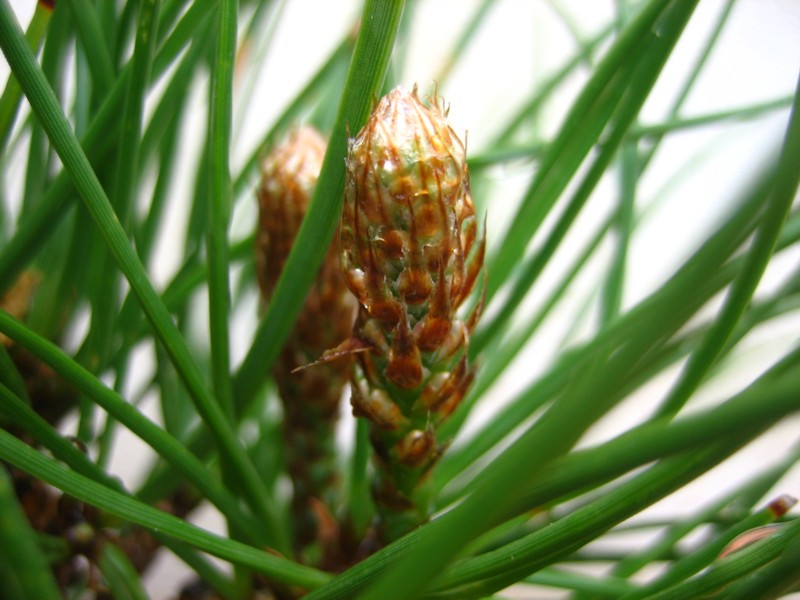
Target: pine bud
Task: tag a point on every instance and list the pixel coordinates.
(409, 226)
(410, 253)
(288, 176)
(310, 397)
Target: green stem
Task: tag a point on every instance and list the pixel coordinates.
(742, 113)
(145, 234)
(694, 562)
(66, 451)
(546, 89)
(47, 110)
(54, 63)
(497, 362)
(107, 294)
(611, 587)
(495, 570)
(683, 94)
(616, 106)
(253, 45)
(220, 201)
(164, 444)
(685, 286)
(24, 572)
(667, 542)
(122, 579)
(98, 54)
(576, 137)
(10, 377)
(133, 112)
(50, 212)
(752, 411)
(244, 180)
(533, 151)
(129, 509)
(623, 225)
(736, 566)
(741, 291)
(12, 95)
(370, 59)
(775, 579)
(359, 499)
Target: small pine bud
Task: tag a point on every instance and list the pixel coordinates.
(409, 226)
(411, 254)
(288, 176)
(310, 397)
(409, 247)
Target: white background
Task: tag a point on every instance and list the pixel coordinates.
(518, 46)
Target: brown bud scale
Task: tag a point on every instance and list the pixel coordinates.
(411, 254)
